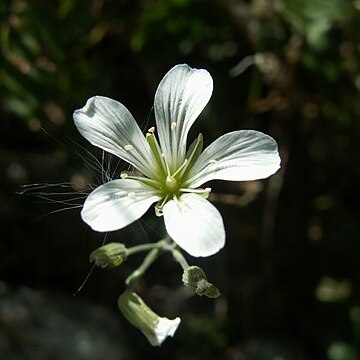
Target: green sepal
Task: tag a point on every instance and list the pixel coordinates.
(109, 255)
(209, 290)
(194, 278)
(137, 312)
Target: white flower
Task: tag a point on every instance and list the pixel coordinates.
(163, 328)
(154, 327)
(167, 172)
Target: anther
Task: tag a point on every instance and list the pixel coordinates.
(128, 147)
(131, 194)
(124, 175)
(151, 130)
(213, 161)
(173, 125)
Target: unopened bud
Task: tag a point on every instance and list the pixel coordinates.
(109, 255)
(194, 278)
(154, 327)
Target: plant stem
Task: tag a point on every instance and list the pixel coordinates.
(157, 249)
(179, 257)
(140, 248)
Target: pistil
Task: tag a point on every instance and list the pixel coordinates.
(171, 185)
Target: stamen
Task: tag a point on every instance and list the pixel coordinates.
(155, 148)
(158, 211)
(131, 194)
(151, 130)
(196, 191)
(202, 192)
(164, 200)
(128, 147)
(192, 155)
(173, 125)
(166, 165)
(151, 182)
(159, 206)
(180, 168)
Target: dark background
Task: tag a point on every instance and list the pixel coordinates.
(289, 273)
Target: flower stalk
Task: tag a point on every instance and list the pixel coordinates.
(179, 257)
(140, 271)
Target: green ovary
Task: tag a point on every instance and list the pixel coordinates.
(171, 185)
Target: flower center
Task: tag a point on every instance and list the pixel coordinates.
(171, 185)
(170, 182)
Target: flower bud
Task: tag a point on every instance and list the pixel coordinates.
(154, 327)
(195, 278)
(112, 255)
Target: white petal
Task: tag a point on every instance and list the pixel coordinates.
(237, 156)
(164, 328)
(180, 97)
(108, 124)
(117, 203)
(195, 225)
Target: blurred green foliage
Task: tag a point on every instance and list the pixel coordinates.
(35, 39)
(290, 68)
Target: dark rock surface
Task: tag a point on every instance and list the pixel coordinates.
(35, 325)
